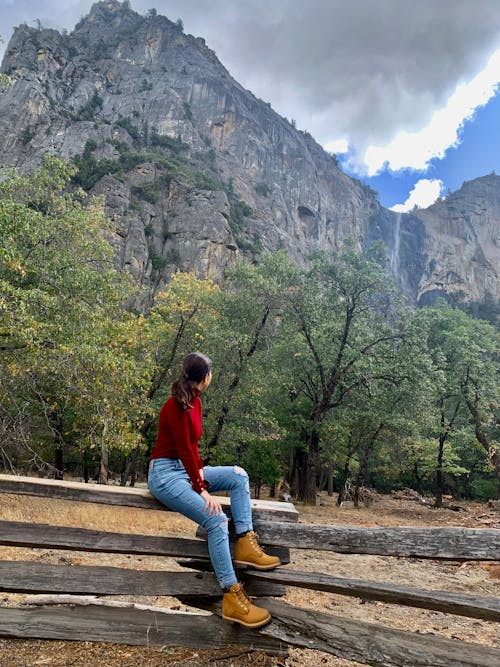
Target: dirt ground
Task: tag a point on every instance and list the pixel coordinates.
(479, 578)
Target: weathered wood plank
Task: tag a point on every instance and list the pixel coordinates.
(130, 625)
(31, 577)
(373, 644)
(471, 606)
(21, 534)
(442, 543)
(370, 643)
(128, 496)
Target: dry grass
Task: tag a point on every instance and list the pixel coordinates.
(93, 516)
(471, 577)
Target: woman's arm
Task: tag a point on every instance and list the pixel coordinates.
(179, 424)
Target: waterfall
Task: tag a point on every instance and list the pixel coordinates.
(394, 260)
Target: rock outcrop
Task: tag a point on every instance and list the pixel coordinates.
(195, 169)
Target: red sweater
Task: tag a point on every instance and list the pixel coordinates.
(178, 434)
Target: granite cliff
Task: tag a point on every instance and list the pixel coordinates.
(195, 169)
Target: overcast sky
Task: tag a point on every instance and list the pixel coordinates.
(387, 84)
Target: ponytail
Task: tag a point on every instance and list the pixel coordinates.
(194, 368)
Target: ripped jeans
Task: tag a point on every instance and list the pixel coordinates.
(169, 483)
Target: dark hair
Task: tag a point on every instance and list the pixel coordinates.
(194, 368)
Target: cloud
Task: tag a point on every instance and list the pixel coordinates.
(361, 70)
(415, 150)
(424, 193)
(339, 146)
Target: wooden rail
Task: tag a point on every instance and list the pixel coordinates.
(71, 617)
(95, 621)
(373, 644)
(368, 643)
(126, 496)
(40, 535)
(442, 543)
(472, 606)
(33, 577)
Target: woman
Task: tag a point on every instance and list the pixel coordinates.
(178, 479)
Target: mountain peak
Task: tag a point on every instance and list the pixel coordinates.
(195, 168)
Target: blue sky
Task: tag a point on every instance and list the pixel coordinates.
(477, 154)
(409, 89)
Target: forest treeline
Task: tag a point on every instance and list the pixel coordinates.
(322, 374)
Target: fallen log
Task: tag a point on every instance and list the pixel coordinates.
(135, 625)
(31, 577)
(67, 617)
(39, 535)
(370, 643)
(441, 543)
(472, 606)
(127, 496)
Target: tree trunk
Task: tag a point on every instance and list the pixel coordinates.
(103, 467)
(130, 469)
(56, 426)
(482, 438)
(346, 472)
(419, 482)
(59, 461)
(443, 436)
(330, 480)
(298, 481)
(221, 419)
(439, 472)
(363, 463)
(307, 490)
(85, 465)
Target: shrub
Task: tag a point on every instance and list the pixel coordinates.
(484, 489)
(148, 192)
(88, 111)
(262, 189)
(128, 125)
(157, 261)
(175, 144)
(26, 135)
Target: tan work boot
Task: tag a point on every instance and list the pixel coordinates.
(249, 552)
(237, 607)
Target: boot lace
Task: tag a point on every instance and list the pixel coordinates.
(242, 598)
(253, 537)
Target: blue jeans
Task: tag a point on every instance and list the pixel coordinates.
(169, 483)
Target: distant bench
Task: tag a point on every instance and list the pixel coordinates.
(65, 610)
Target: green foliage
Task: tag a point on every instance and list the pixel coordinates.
(128, 125)
(90, 170)
(175, 145)
(238, 211)
(149, 192)
(205, 182)
(145, 85)
(89, 110)
(67, 354)
(26, 134)
(315, 368)
(157, 261)
(263, 189)
(187, 110)
(484, 489)
(100, 50)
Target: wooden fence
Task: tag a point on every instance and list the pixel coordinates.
(62, 602)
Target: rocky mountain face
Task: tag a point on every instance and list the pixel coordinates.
(196, 170)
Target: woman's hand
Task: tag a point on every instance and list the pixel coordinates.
(211, 504)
